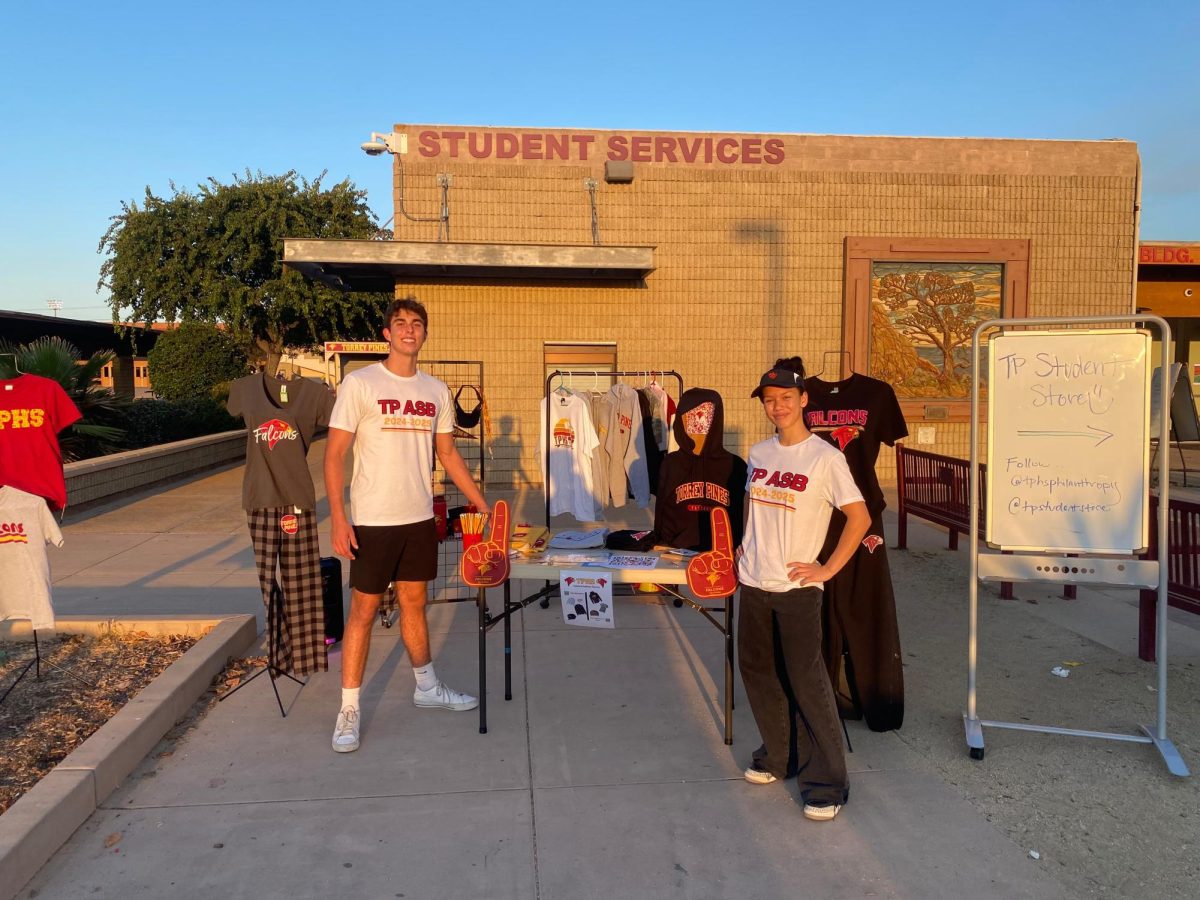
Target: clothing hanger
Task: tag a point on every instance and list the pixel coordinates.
(846, 364)
(16, 366)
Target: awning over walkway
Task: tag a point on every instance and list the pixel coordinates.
(376, 265)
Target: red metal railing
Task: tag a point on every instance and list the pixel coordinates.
(1183, 569)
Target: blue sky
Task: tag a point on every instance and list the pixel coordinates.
(100, 101)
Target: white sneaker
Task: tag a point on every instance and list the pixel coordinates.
(345, 732)
(821, 812)
(441, 697)
(755, 775)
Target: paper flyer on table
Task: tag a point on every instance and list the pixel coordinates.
(632, 560)
(586, 598)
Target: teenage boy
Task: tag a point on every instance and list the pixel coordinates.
(794, 482)
(397, 418)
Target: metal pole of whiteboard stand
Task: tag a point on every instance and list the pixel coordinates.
(973, 725)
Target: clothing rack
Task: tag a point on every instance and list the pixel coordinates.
(594, 374)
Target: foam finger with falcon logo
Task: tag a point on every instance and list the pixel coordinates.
(712, 574)
(486, 564)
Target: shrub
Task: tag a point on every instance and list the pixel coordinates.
(192, 360)
(161, 421)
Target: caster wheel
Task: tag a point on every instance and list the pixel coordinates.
(544, 603)
(976, 753)
(678, 603)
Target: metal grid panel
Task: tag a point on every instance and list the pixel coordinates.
(448, 587)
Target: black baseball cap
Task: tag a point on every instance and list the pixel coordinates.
(779, 377)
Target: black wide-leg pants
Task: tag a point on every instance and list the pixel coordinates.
(779, 655)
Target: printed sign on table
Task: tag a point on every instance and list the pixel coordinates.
(586, 598)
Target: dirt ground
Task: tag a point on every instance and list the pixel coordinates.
(42, 720)
(1104, 816)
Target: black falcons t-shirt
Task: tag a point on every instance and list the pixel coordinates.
(856, 416)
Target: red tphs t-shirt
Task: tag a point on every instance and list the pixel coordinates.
(33, 410)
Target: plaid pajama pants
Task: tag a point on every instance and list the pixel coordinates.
(289, 569)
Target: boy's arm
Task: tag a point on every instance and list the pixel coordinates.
(341, 532)
(456, 468)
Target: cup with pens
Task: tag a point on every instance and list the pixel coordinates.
(473, 524)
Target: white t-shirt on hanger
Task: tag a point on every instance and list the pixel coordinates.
(572, 442)
(26, 527)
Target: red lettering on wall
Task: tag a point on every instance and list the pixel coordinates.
(752, 151)
(506, 145)
(428, 143)
(639, 149)
(689, 149)
(531, 146)
(664, 149)
(618, 147)
(557, 146)
(584, 143)
(727, 150)
(453, 138)
(774, 154)
(1165, 255)
(480, 145)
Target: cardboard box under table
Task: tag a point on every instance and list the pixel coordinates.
(669, 575)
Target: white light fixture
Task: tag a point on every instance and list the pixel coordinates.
(385, 142)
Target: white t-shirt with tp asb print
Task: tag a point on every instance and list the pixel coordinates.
(791, 494)
(393, 420)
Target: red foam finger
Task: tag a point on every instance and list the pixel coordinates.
(722, 534)
(499, 534)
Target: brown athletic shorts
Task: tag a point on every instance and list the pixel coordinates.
(388, 553)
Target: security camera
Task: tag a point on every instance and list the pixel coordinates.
(373, 148)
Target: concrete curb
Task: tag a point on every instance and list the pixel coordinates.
(34, 827)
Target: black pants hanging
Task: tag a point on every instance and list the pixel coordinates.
(289, 561)
(859, 621)
(779, 654)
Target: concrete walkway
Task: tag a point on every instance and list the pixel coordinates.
(605, 777)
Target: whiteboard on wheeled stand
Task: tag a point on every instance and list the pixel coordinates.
(1068, 441)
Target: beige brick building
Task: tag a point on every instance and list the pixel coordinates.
(725, 251)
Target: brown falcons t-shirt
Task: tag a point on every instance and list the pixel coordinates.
(278, 435)
(857, 415)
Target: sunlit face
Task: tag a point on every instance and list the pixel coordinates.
(784, 406)
(407, 334)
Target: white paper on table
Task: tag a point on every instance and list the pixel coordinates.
(632, 560)
(586, 598)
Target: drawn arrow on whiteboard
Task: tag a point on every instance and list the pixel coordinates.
(1092, 432)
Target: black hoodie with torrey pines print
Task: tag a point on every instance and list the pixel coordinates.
(691, 484)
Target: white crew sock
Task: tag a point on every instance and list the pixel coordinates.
(350, 697)
(426, 680)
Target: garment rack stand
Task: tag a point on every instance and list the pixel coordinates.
(275, 625)
(36, 663)
(544, 602)
(595, 373)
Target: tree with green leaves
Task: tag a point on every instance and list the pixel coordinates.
(194, 359)
(216, 255)
(99, 430)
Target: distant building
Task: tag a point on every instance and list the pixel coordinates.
(127, 375)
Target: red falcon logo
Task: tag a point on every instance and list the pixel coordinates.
(872, 541)
(845, 435)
